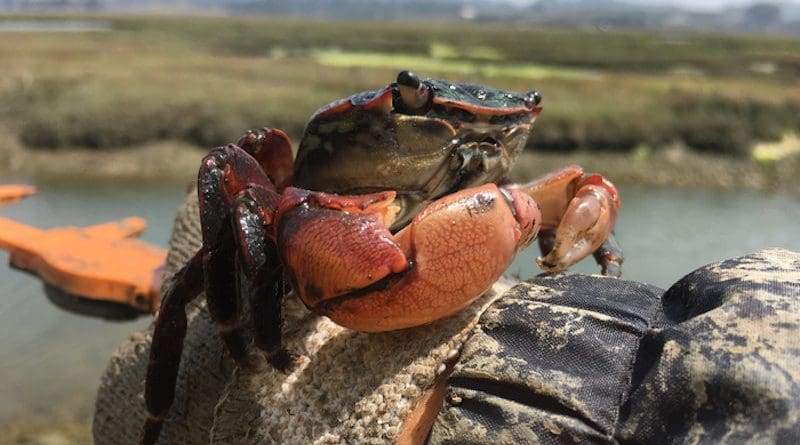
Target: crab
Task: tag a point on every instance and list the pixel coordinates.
(395, 212)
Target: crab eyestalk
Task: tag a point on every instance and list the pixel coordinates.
(533, 98)
(414, 95)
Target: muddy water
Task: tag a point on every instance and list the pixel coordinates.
(51, 360)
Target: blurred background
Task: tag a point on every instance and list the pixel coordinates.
(107, 106)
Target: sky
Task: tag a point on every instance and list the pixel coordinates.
(697, 5)
(704, 4)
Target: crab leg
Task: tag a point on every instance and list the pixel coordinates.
(226, 174)
(609, 256)
(262, 273)
(170, 331)
(578, 216)
(228, 182)
(167, 345)
(259, 261)
(348, 266)
(219, 269)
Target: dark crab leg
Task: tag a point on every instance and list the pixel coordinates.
(226, 175)
(261, 273)
(170, 330)
(219, 269)
(167, 345)
(260, 262)
(609, 256)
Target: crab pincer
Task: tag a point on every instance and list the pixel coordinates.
(348, 266)
(579, 212)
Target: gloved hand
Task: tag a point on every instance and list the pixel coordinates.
(580, 359)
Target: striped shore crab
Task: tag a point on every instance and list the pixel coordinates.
(395, 212)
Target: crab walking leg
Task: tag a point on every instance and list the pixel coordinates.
(219, 269)
(610, 257)
(443, 260)
(581, 210)
(225, 175)
(167, 345)
(228, 176)
(262, 274)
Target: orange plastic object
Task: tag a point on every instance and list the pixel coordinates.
(100, 262)
(10, 194)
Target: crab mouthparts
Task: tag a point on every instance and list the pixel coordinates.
(501, 138)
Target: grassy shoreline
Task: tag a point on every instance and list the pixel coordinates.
(202, 79)
(177, 162)
(136, 102)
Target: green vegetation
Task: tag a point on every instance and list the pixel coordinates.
(204, 80)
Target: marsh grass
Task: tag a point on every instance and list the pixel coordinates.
(205, 80)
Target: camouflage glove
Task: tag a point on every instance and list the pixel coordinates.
(579, 359)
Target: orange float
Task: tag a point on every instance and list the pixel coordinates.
(104, 263)
(12, 193)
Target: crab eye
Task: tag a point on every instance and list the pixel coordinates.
(408, 79)
(533, 98)
(414, 96)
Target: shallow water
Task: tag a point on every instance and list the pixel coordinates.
(51, 360)
(667, 233)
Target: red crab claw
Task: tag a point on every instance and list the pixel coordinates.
(348, 266)
(579, 212)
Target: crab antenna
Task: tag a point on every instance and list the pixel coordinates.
(413, 93)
